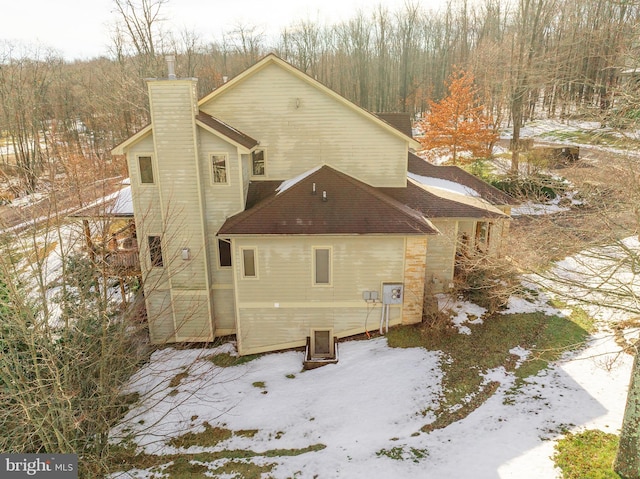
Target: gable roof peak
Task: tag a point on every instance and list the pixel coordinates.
(286, 184)
(273, 59)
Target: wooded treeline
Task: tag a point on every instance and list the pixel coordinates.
(528, 57)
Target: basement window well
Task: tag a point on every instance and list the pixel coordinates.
(321, 343)
(322, 348)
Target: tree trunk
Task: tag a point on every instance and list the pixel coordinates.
(516, 116)
(627, 463)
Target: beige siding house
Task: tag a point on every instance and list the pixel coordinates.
(276, 210)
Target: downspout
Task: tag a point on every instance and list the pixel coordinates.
(384, 319)
(387, 321)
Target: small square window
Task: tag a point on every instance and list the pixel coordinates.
(155, 251)
(257, 163)
(219, 168)
(146, 169)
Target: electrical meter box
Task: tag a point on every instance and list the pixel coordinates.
(392, 293)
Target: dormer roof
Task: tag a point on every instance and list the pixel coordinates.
(204, 120)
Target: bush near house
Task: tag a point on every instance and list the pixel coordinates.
(536, 186)
(485, 281)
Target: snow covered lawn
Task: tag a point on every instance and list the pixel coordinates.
(367, 410)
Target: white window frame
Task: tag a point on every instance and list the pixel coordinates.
(312, 344)
(264, 163)
(314, 275)
(153, 169)
(255, 262)
(224, 156)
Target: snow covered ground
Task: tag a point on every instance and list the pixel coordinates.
(371, 401)
(370, 406)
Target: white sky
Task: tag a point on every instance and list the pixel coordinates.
(81, 28)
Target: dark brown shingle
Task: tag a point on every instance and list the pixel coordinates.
(351, 207)
(435, 206)
(400, 121)
(493, 195)
(226, 130)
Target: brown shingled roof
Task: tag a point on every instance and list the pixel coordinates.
(418, 166)
(260, 190)
(400, 121)
(226, 130)
(352, 207)
(436, 206)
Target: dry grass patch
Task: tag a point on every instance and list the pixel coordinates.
(175, 381)
(230, 463)
(207, 438)
(226, 360)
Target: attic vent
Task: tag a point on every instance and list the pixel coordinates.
(171, 66)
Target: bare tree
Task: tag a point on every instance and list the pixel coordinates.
(247, 42)
(139, 31)
(532, 20)
(408, 38)
(26, 77)
(303, 44)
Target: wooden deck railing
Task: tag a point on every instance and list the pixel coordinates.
(123, 262)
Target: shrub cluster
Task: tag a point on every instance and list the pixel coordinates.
(537, 186)
(485, 281)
